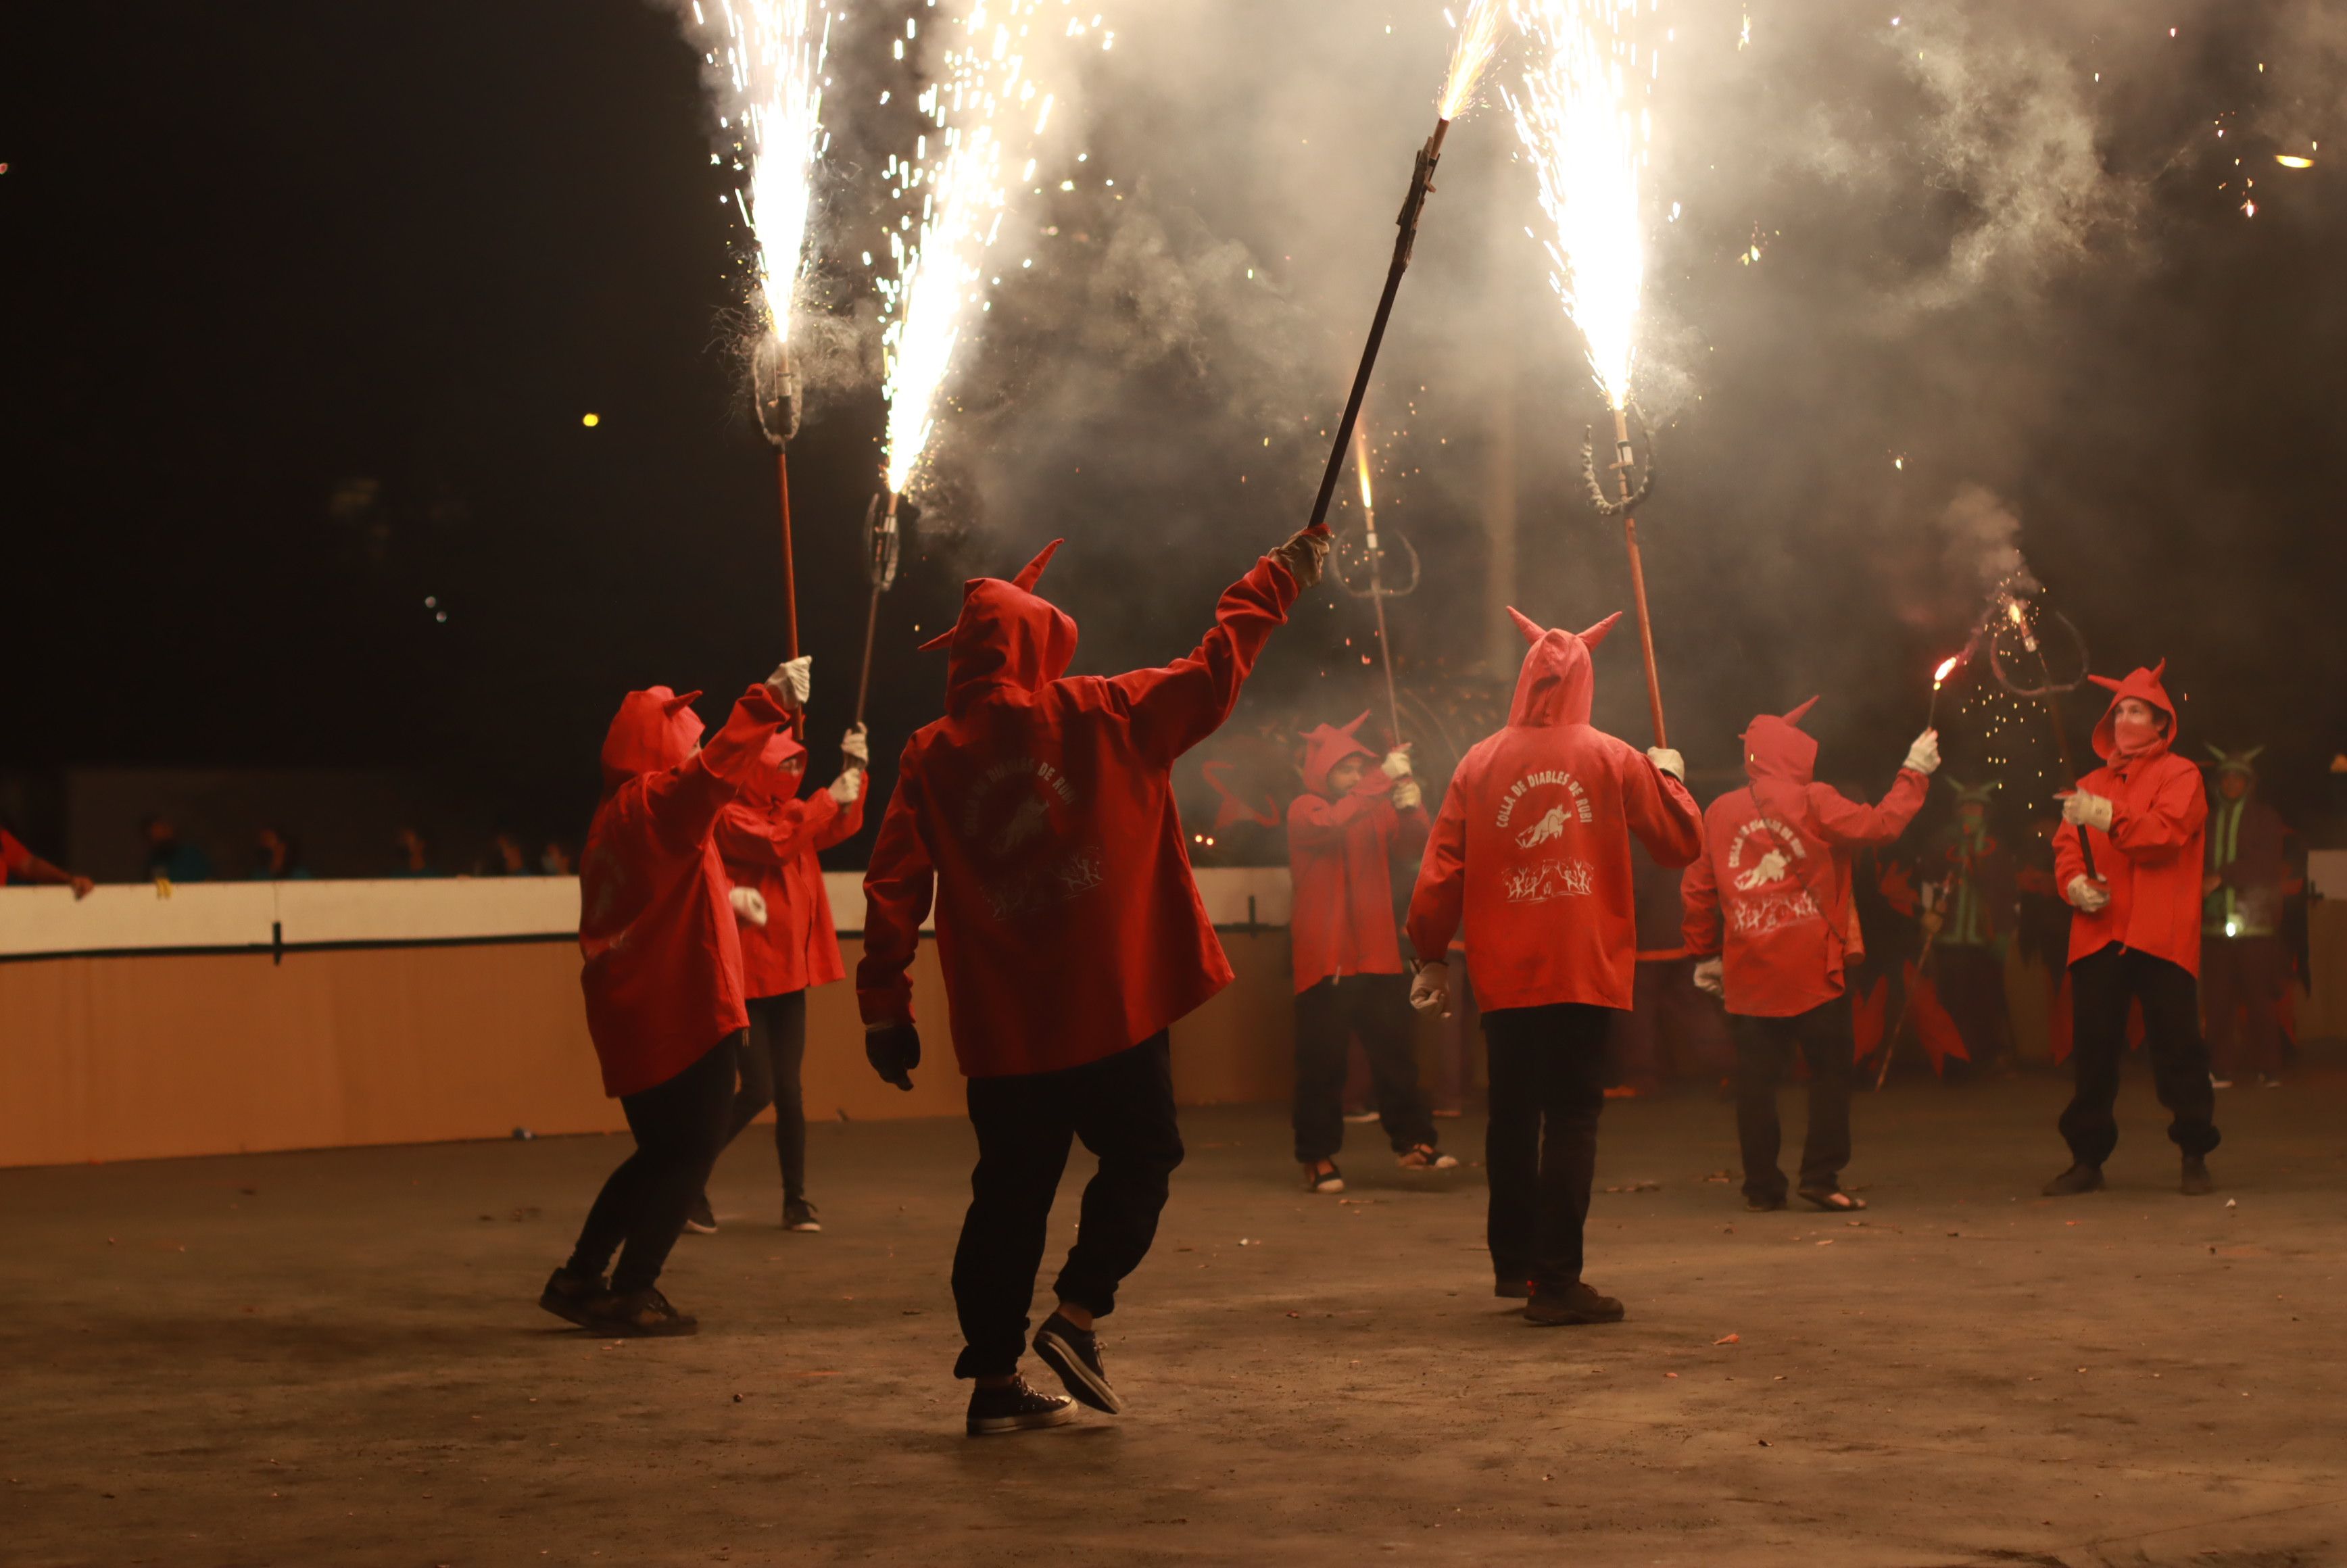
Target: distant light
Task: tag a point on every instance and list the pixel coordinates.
(2289, 160)
(590, 420)
(2232, 928)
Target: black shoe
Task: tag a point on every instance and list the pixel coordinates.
(2079, 1178)
(798, 1214)
(703, 1220)
(567, 1295)
(1512, 1289)
(1016, 1407)
(2197, 1182)
(1763, 1205)
(1074, 1354)
(1576, 1303)
(638, 1315)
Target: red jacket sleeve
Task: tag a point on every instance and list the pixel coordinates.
(2177, 811)
(1699, 902)
(682, 803)
(1846, 824)
(1662, 813)
(1315, 822)
(1174, 708)
(846, 821)
(16, 860)
(2069, 860)
(1436, 902)
(773, 836)
(897, 891)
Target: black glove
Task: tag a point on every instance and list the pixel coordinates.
(894, 1050)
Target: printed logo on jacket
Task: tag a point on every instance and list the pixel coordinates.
(1545, 804)
(1012, 828)
(1766, 891)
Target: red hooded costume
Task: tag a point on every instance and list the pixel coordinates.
(663, 974)
(1530, 841)
(2150, 860)
(1340, 858)
(768, 839)
(1776, 868)
(1040, 813)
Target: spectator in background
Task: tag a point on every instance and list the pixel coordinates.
(19, 864)
(168, 859)
(414, 860)
(555, 859)
(507, 857)
(2245, 965)
(278, 858)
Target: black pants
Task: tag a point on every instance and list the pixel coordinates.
(1548, 1068)
(1377, 1009)
(1971, 983)
(1823, 1036)
(1122, 1106)
(679, 1126)
(2243, 982)
(770, 1066)
(2101, 985)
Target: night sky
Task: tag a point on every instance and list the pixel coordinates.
(304, 306)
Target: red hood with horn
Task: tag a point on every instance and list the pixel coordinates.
(663, 967)
(769, 839)
(1326, 745)
(1770, 895)
(1532, 847)
(2149, 861)
(1038, 816)
(1340, 855)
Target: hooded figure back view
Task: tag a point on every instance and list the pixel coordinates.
(1532, 847)
(1038, 815)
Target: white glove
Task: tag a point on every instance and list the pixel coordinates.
(1668, 761)
(1924, 757)
(2086, 895)
(1431, 989)
(749, 906)
(847, 786)
(854, 746)
(1707, 977)
(790, 681)
(2083, 809)
(1406, 794)
(1396, 762)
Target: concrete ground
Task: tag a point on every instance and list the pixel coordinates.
(335, 1358)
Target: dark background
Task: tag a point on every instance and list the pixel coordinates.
(303, 308)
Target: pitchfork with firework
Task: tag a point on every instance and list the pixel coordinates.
(1370, 556)
(1471, 53)
(1585, 126)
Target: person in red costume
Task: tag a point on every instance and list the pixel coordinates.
(19, 864)
(1768, 914)
(1343, 834)
(1038, 815)
(768, 839)
(1532, 849)
(663, 984)
(2136, 937)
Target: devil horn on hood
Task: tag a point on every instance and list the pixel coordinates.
(1532, 630)
(1032, 572)
(1354, 729)
(940, 639)
(2105, 682)
(1794, 716)
(678, 704)
(1596, 635)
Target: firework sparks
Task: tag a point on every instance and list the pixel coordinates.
(1585, 128)
(1947, 667)
(1472, 54)
(773, 59)
(1361, 461)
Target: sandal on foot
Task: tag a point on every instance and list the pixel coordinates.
(1832, 1199)
(1426, 1157)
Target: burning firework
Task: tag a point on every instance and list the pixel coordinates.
(1471, 53)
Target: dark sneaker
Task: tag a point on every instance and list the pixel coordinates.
(638, 1315)
(1016, 1407)
(703, 1220)
(1576, 1303)
(1426, 1157)
(1324, 1177)
(798, 1214)
(1512, 1289)
(567, 1295)
(2079, 1178)
(1074, 1354)
(1358, 1118)
(2197, 1182)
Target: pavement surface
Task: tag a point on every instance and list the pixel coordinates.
(336, 1357)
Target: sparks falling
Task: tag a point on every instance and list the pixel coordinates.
(1472, 54)
(1585, 126)
(1362, 460)
(986, 109)
(773, 59)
